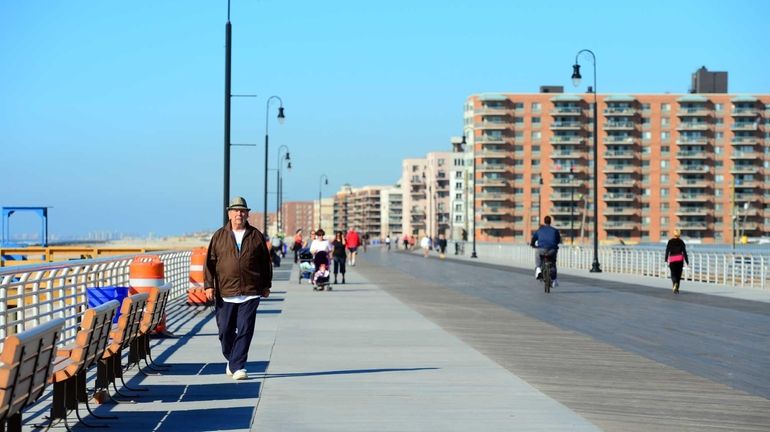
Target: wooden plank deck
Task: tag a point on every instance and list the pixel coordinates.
(614, 388)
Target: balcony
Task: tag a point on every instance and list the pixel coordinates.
(695, 197)
(565, 169)
(618, 111)
(493, 154)
(621, 154)
(493, 196)
(694, 183)
(496, 182)
(610, 139)
(567, 183)
(492, 167)
(576, 140)
(692, 141)
(746, 155)
(745, 126)
(620, 225)
(745, 112)
(621, 211)
(745, 169)
(490, 139)
(487, 210)
(693, 226)
(620, 183)
(494, 224)
(693, 154)
(620, 169)
(418, 194)
(564, 211)
(620, 197)
(563, 125)
(562, 196)
(693, 211)
(567, 154)
(747, 197)
(693, 126)
(619, 126)
(566, 111)
(493, 125)
(693, 112)
(743, 184)
(693, 169)
(745, 140)
(498, 111)
(750, 226)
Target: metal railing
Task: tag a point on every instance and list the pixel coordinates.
(34, 294)
(722, 268)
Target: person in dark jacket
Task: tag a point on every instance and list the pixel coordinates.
(239, 273)
(546, 239)
(676, 257)
(339, 255)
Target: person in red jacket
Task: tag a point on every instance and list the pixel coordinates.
(352, 242)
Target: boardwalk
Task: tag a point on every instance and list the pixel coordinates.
(445, 346)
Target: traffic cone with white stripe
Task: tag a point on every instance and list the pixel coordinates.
(196, 294)
(146, 272)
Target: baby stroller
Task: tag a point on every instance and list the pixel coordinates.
(321, 282)
(306, 266)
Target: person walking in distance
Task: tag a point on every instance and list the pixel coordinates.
(676, 257)
(352, 242)
(239, 273)
(425, 244)
(387, 241)
(338, 255)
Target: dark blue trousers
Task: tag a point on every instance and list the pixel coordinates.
(236, 327)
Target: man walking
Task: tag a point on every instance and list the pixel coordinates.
(238, 273)
(352, 242)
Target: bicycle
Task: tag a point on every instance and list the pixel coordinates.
(546, 264)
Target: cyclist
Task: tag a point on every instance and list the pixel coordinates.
(546, 239)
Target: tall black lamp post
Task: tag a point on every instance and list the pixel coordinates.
(595, 267)
(228, 50)
(279, 184)
(322, 181)
(281, 119)
(572, 205)
(473, 206)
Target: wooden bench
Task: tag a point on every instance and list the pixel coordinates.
(27, 366)
(73, 361)
(109, 368)
(154, 312)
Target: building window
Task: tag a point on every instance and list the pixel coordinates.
(664, 136)
(719, 107)
(518, 120)
(536, 120)
(536, 135)
(664, 178)
(665, 107)
(646, 135)
(664, 164)
(664, 192)
(535, 106)
(664, 220)
(518, 105)
(665, 121)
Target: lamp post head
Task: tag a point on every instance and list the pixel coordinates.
(576, 75)
(326, 181)
(288, 167)
(281, 116)
(287, 157)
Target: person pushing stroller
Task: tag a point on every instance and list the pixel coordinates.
(320, 249)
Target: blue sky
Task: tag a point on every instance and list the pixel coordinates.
(112, 112)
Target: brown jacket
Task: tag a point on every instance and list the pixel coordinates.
(232, 273)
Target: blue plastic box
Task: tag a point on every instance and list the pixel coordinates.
(100, 296)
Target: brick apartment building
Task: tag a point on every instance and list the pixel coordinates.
(695, 162)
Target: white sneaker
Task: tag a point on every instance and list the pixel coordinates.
(240, 374)
(537, 273)
(227, 370)
(555, 283)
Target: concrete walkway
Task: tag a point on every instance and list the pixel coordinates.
(354, 359)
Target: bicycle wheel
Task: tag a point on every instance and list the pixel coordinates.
(547, 276)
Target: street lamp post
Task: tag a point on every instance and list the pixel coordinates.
(572, 206)
(323, 181)
(473, 206)
(228, 51)
(281, 119)
(279, 183)
(595, 266)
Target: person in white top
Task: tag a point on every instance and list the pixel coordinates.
(320, 243)
(425, 245)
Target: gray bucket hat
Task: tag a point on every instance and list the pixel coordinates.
(238, 203)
